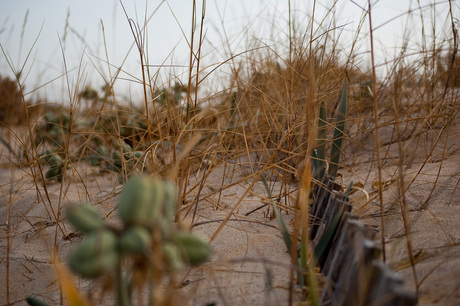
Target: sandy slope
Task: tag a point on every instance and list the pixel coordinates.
(250, 264)
(434, 220)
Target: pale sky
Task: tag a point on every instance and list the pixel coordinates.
(230, 27)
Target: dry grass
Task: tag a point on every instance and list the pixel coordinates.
(263, 122)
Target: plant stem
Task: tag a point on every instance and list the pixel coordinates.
(377, 137)
(122, 290)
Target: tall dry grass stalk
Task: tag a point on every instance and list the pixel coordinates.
(377, 135)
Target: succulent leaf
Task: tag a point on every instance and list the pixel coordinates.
(85, 218)
(141, 201)
(136, 239)
(173, 256)
(169, 206)
(53, 173)
(33, 301)
(194, 249)
(96, 255)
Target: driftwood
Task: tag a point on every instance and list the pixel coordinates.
(348, 257)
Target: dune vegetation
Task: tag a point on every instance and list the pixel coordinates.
(228, 167)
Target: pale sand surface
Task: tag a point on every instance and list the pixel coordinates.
(250, 265)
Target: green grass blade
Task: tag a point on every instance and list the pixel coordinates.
(321, 139)
(315, 161)
(283, 228)
(7, 145)
(338, 132)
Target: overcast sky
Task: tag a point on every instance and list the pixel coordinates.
(74, 30)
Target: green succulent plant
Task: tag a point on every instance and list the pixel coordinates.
(57, 165)
(146, 208)
(97, 255)
(85, 218)
(52, 130)
(122, 156)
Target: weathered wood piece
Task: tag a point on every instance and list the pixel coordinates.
(323, 193)
(348, 257)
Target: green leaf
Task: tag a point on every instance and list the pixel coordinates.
(33, 301)
(7, 145)
(85, 218)
(96, 255)
(320, 163)
(194, 249)
(135, 239)
(284, 231)
(338, 132)
(142, 201)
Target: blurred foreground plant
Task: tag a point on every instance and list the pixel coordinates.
(148, 243)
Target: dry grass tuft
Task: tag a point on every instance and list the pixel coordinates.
(12, 110)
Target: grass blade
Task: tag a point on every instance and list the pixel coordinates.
(7, 145)
(320, 162)
(338, 132)
(283, 228)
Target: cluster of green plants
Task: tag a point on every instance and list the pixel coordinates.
(56, 165)
(52, 129)
(147, 242)
(113, 140)
(122, 156)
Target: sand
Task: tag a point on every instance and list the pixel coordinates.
(250, 264)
